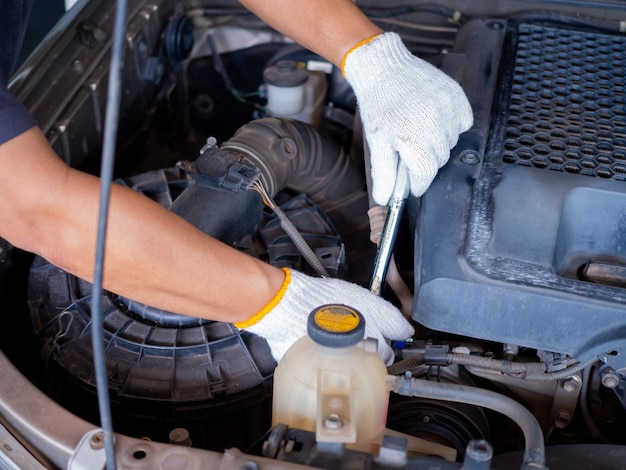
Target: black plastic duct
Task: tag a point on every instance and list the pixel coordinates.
(294, 155)
(225, 215)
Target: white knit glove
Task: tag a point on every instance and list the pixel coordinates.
(284, 320)
(409, 109)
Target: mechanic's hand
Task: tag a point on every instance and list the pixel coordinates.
(408, 108)
(284, 319)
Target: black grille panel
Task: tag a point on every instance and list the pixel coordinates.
(567, 106)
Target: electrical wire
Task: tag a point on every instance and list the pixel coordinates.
(387, 12)
(292, 231)
(530, 371)
(584, 407)
(562, 374)
(228, 84)
(267, 200)
(418, 27)
(223, 11)
(406, 365)
(114, 93)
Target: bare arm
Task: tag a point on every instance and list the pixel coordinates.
(50, 209)
(328, 27)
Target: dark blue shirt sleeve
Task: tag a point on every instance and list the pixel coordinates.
(13, 22)
(14, 119)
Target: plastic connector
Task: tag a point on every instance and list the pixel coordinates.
(554, 361)
(436, 354)
(220, 169)
(402, 385)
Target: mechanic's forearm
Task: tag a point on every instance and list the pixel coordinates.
(152, 255)
(328, 27)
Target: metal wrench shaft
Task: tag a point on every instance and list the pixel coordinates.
(390, 229)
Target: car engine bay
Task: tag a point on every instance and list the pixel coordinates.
(512, 266)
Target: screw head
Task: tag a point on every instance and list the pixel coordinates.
(562, 419)
(97, 441)
(78, 65)
(570, 385)
(333, 422)
(470, 157)
(610, 380)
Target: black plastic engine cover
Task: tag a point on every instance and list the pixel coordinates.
(521, 237)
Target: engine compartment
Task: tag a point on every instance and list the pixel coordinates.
(513, 260)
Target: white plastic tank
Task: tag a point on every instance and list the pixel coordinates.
(295, 92)
(285, 87)
(333, 382)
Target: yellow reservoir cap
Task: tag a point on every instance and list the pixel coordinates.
(336, 318)
(336, 325)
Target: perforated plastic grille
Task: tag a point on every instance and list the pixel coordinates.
(567, 108)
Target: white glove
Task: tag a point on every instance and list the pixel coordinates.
(286, 320)
(408, 108)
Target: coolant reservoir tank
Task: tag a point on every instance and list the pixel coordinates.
(285, 87)
(332, 382)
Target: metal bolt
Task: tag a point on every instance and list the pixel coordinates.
(510, 351)
(77, 65)
(570, 385)
(479, 450)
(333, 422)
(562, 419)
(180, 436)
(97, 441)
(470, 157)
(610, 379)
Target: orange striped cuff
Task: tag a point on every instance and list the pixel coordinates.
(361, 43)
(254, 319)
